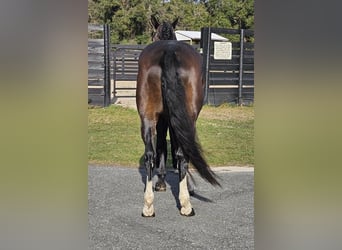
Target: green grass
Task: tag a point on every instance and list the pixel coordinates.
(226, 134)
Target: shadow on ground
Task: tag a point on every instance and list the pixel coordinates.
(172, 182)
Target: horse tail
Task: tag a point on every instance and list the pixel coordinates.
(173, 93)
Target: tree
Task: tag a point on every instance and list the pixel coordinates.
(237, 14)
(130, 19)
(102, 11)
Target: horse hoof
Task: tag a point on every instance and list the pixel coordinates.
(148, 216)
(192, 213)
(160, 187)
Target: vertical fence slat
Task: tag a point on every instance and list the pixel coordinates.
(205, 44)
(241, 66)
(106, 99)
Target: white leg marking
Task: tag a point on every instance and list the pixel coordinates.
(148, 209)
(184, 197)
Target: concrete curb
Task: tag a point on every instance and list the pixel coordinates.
(233, 169)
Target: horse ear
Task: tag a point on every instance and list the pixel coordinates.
(175, 23)
(154, 21)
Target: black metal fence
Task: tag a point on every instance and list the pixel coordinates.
(125, 65)
(99, 90)
(228, 67)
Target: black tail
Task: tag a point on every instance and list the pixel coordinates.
(174, 100)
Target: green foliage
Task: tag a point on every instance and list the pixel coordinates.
(130, 19)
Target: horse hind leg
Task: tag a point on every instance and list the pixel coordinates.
(148, 133)
(148, 209)
(184, 196)
(174, 150)
(161, 154)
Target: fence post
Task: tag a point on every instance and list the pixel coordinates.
(205, 44)
(242, 34)
(106, 100)
(114, 71)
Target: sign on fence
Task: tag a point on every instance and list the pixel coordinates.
(222, 50)
(228, 66)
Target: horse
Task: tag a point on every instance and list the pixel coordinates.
(169, 96)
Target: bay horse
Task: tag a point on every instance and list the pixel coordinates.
(169, 95)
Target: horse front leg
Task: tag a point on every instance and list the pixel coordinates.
(184, 196)
(149, 161)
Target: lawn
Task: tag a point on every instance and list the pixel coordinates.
(226, 134)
